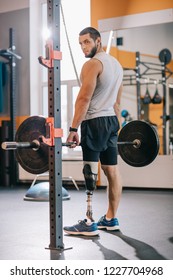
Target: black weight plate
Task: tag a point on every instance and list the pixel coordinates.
(35, 162)
(165, 56)
(148, 150)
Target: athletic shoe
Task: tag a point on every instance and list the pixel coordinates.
(113, 224)
(82, 228)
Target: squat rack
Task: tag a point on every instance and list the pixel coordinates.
(52, 62)
(150, 68)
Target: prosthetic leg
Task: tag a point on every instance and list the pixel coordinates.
(90, 183)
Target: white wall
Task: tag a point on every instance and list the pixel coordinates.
(158, 174)
(12, 5)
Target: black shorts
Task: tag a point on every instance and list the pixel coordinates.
(99, 139)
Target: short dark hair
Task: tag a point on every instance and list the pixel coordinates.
(94, 33)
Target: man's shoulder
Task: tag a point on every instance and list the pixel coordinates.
(94, 61)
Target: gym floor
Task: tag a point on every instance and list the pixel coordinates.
(145, 216)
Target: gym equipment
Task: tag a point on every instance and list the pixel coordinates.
(124, 113)
(10, 56)
(127, 117)
(143, 70)
(53, 57)
(147, 97)
(157, 99)
(69, 46)
(165, 56)
(138, 143)
(32, 156)
(40, 192)
(32, 141)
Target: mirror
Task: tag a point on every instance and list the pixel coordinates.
(149, 41)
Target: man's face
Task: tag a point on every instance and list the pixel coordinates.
(88, 45)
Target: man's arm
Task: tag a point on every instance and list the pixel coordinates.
(117, 105)
(89, 74)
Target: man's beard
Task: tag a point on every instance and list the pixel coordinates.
(92, 52)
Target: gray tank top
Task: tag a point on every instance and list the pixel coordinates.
(108, 83)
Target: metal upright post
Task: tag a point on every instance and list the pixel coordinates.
(55, 152)
(12, 62)
(164, 108)
(12, 86)
(138, 86)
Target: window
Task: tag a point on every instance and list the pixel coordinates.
(69, 84)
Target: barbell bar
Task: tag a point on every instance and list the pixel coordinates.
(35, 145)
(138, 144)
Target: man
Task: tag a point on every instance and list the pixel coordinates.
(97, 110)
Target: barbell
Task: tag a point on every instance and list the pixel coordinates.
(138, 144)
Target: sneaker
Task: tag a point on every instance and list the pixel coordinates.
(82, 229)
(113, 224)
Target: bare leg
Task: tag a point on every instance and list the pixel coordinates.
(114, 189)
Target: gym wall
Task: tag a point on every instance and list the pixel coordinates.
(101, 9)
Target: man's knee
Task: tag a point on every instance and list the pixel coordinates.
(90, 171)
(110, 170)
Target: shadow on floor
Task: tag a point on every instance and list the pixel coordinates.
(143, 251)
(170, 239)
